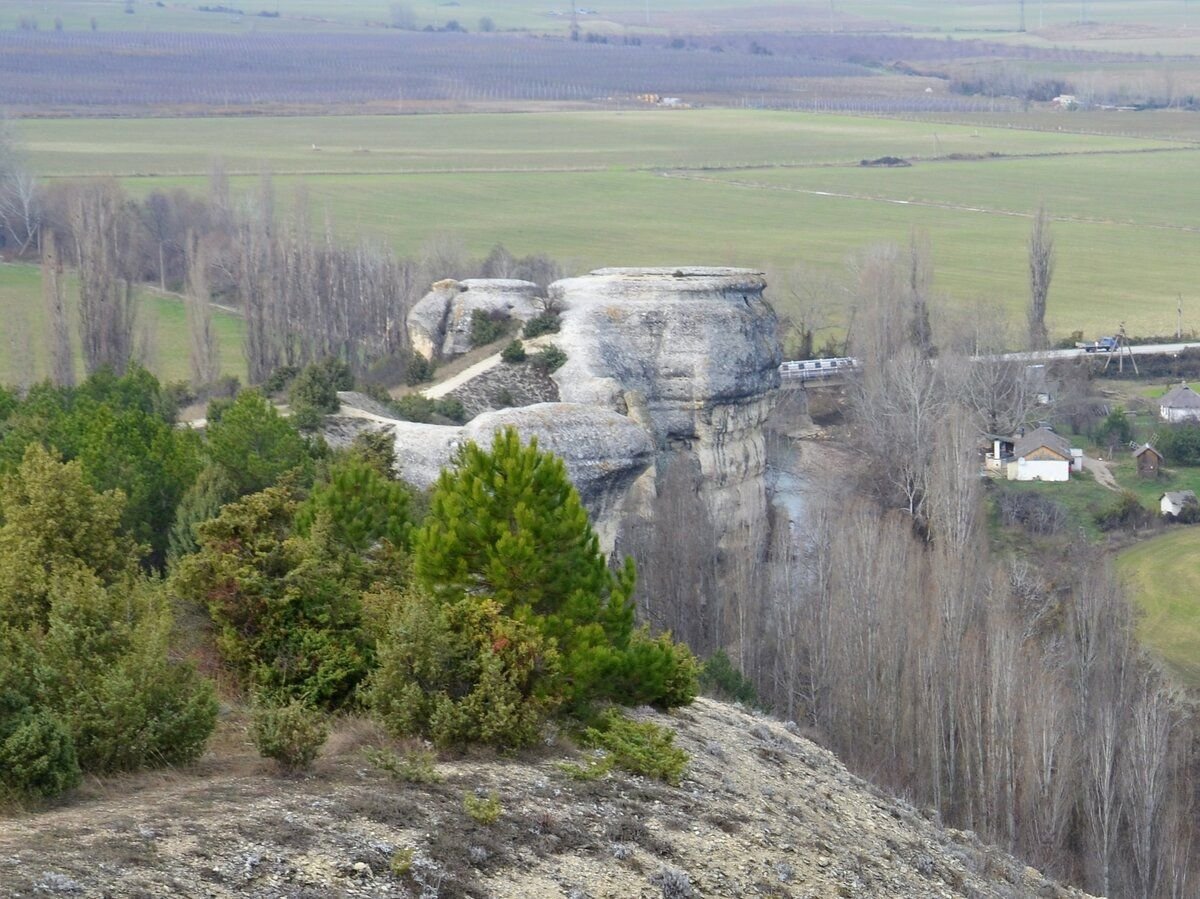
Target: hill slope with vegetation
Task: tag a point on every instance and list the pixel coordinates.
(759, 811)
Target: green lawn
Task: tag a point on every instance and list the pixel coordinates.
(23, 355)
(1164, 575)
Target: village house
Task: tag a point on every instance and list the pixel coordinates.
(1042, 455)
(1173, 503)
(1180, 403)
(1148, 460)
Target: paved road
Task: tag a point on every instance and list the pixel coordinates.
(1149, 349)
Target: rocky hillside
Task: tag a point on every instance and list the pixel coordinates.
(761, 812)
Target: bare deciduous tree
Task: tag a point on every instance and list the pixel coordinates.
(58, 328)
(197, 302)
(102, 232)
(20, 206)
(1041, 270)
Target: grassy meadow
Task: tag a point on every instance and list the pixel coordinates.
(758, 188)
(23, 352)
(1165, 581)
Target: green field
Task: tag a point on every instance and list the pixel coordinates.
(1164, 576)
(756, 188)
(772, 190)
(23, 354)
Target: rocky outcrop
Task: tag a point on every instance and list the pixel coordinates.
(439, 324)
(664, 366)
(691, 355)
(761, 812)
(604, 451)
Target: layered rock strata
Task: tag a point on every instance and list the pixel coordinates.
(692, 356)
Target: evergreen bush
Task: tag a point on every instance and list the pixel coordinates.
(546, 323)
(640, 747)
(549, 358)
(487, 327)
(513, 353)
(291, 734)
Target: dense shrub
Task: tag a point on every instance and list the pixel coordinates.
(1125, 513)
(461, 672)
(1180, 444)
(37, 755)
(640, 747)
(487, 327)
(122, 432)
(418, 370)
(280, 379)
(546, 323)
(314, 392)
(291, 734)
(202, 502)
(254, 445)
(718, 678)
(286, 606)
(85, 639)
(653, 671)
(415, 407)
(514, 352)
(549, 358)
(363, 507)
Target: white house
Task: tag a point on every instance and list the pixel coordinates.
(1180, 403)
(1173, 503)
(1042, 455)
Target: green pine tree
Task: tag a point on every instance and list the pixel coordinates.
(363, 506)
(507, 524)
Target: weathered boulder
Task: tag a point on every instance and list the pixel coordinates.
(692, 355)
(603, 450)
(439, 324)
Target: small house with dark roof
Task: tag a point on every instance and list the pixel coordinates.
(1179, 404)
(1175, 502)
(1042, 455)
(1148, 460)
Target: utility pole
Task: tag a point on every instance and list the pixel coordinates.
(1022, 15)
(1179, 318)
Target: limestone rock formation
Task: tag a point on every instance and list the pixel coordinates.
(440, 323)
(664, 367)
(692, 355)
(604, 451)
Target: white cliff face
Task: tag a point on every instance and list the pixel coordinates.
(664, 366)
(692, 356)
(440, 323)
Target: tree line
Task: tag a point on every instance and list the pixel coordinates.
(999, 683)
(304, 294)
